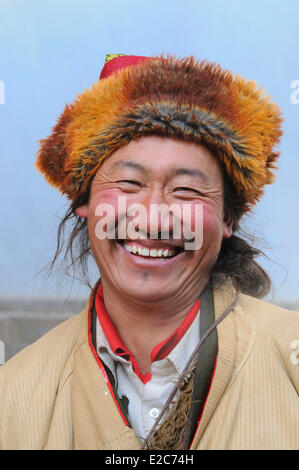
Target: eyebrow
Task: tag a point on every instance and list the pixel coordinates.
(129, 164)
(174, 171)
(190, 172)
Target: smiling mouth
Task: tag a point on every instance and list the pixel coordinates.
(140, 250)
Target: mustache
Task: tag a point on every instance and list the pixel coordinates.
(119, 231)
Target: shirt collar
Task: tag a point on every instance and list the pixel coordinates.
(110, 338)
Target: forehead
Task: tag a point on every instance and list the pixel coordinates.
(161, 155)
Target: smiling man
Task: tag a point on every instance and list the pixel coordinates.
(174, 350)
(155, 290)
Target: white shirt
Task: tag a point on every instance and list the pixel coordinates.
(147, 400)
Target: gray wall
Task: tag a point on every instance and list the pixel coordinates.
(24, 321)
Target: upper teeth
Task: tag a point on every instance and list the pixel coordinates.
(146, 252)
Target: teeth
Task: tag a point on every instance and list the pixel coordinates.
(153, 253)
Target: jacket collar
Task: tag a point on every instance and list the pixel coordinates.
(234, 341)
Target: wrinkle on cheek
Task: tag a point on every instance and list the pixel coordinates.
(99, 188)
(102, 180)
(107, 196)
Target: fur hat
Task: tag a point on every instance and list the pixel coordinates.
(184, 98)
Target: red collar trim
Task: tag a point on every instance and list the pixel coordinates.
(98, 360)
(119, 348)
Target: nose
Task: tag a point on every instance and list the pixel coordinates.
(156, 221)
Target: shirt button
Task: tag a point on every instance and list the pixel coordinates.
(154, 413)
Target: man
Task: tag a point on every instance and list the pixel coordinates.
(174, 349)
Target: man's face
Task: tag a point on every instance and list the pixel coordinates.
(151, 171)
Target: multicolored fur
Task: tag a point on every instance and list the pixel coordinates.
(181, 98)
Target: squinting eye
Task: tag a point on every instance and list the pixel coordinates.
(187, 189)
(129, 182)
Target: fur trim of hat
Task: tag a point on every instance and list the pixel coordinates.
(182, 98)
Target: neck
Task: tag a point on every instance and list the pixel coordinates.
(144, 324)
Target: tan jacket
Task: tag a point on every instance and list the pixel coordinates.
(53, 395)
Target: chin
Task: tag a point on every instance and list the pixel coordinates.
(144, 290)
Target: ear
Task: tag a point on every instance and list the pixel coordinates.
(82, 211)
(227, 226)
